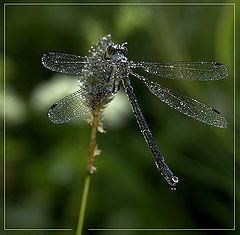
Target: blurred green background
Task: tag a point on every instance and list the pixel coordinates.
(46, 163)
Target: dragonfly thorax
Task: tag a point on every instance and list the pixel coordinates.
(116, 56)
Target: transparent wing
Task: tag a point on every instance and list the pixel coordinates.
(64, 63)
(78, 103)
(201, 71)
(184, 104)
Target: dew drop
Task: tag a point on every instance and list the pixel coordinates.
(175, 179)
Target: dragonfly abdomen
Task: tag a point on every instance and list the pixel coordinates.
(158, 158)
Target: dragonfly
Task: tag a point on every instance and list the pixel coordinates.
(101, 73)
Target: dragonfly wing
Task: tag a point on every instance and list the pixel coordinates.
(185, 104)
(199, 71)
(78, 103)
(64, 63)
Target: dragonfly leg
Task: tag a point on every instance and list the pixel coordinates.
(116, 85)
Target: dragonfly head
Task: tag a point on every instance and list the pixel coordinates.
(113, 50)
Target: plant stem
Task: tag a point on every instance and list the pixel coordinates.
(96, 113)
(83, 204)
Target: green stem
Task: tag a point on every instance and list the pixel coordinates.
(96, 113)
(83, 204)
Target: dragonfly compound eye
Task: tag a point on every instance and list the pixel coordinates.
(111, 50)
(124, 51)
